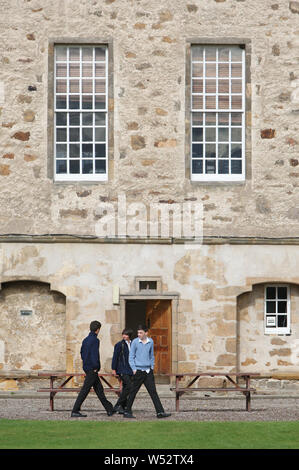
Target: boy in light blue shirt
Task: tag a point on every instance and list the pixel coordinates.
(142, 361)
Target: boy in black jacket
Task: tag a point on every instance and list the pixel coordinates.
(91, 365)
(120, 366)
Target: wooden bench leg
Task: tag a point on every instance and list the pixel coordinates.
(248, 401)
(52, 401)
(177, 401)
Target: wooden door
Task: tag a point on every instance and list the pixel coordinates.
(158, 320)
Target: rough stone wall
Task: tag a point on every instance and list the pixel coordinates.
(149, 41)
(267, 352)
(37, 341)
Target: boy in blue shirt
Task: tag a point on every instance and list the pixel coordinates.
(142, 361)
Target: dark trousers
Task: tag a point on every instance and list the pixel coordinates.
(127, 381)
(92, 380)
(148, 379)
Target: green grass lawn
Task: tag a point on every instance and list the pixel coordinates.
(24, 434)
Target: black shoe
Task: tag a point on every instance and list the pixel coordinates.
(111, 412)
(163, 415)
(128, 415)
(119, 409)
(77, 414)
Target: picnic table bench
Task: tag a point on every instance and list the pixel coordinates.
(180, 390)
(52, 390)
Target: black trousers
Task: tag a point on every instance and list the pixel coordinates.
(148, 379)
(92, 380)
(127, 382)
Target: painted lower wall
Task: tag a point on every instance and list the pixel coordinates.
(217, 292)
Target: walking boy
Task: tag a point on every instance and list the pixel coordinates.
(91, 365)
(141, 360)
(120, 366)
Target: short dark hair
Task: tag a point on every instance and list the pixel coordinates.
(142, 327)
(127, 331)
(95, 325)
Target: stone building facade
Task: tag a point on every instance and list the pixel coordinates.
(76, 245)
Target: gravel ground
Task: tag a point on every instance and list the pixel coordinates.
(264, 408)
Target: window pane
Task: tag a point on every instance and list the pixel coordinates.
(61, 52)
(100, 86)
(210, 52)
(282, 292)
(223, 86)
(100, 53)
(74, 70)
(210, 134)
(210, 119)
(74, 86)
(197, 150)
(100, 166)
(236, 151)
(236, 86)
(223, 134)
(223, 101)
(87, 69)
(236, 119)
(210, 86)
(87, 119)
(74, 150)
(210, 166)
(60, 86)
(75, 166)
(100, 119)
(61, 70)
(74, 133)
(100, 150)
(223, 119)
(100, 70)
(197, 133)
(223, 54)
(223, 167)
(270, 292)
(74, 53)
(87, 53)
(74, 119)
(87, 150)
(61, 151)
(210, 70)
(61, 119)
(100, 102)
(61, 166)
(87, 134)
(86, 101)
(74, 101)
(197, 86)
(223, 150)
(236, 54)
(197, 166)
(236, 135)
(87, 86)
(197, 53)
(197, 119)
(270, 307)
(197, 101)
(282, 321)
(100, 134)
(210, 102)
(236, 167)
(223, 70)
(210, 151)
(61, 102)
(236, 70)
(282, 306)
(236, 101)
(197, 70)
(61, 134)
(87, 166)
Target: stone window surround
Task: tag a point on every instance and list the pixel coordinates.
(50, 118)
(248, 153)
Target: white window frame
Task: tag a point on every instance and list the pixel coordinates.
(216, 176)
(81, 176)
(277, 330)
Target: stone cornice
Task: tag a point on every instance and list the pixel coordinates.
(206, 240)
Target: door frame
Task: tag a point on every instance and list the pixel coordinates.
(174, 297)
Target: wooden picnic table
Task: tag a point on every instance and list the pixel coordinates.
(180, 390)
(53, 376)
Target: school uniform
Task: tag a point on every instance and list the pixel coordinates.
(120, 363)
(91, 365)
